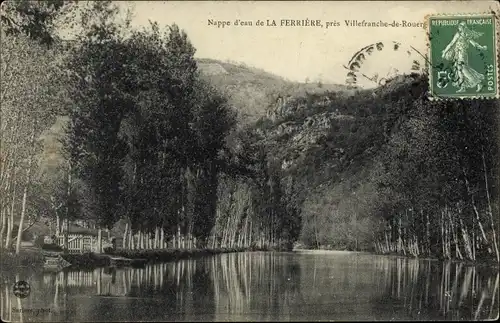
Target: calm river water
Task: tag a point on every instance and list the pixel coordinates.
(260, 286)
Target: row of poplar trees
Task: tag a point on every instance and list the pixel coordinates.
(147, 143)
(438, 177)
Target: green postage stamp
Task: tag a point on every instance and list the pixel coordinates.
(463, 56)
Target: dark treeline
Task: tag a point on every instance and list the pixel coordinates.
(440, 188)
(406, 175)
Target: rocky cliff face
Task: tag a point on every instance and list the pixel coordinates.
(295, 125)
(322, 139)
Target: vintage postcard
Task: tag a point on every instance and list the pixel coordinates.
(249, 161)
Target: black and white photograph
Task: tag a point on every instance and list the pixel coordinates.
(249, 161)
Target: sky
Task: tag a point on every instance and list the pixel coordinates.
(297, 53)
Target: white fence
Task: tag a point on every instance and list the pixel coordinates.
(79, 243)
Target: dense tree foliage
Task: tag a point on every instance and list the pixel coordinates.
(411, 175)
(148, 140)
(153, 145)
(35, 19)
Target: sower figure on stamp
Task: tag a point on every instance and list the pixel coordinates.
(456, 51)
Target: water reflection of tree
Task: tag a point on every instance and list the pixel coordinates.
(263, 286)
(260, 286)
(257, 285)
(437, 290)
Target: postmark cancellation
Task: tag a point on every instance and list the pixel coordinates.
(463, 56)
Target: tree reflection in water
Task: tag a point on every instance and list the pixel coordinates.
(262, 286)
(454, 290)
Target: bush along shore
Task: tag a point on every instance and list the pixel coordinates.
(139, 257)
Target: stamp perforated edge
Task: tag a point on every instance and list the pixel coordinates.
(496, 25)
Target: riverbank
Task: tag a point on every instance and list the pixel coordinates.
(488, 261)
(35, 258)
(163, 255)
(330, 251)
